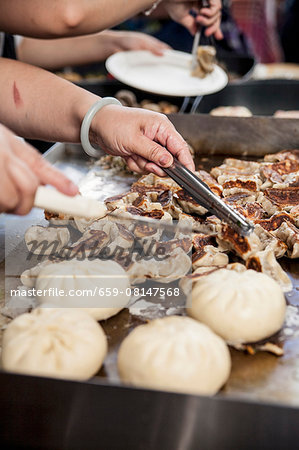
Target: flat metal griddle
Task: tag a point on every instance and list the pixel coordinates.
(263, 379)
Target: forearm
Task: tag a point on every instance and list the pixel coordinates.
(54, 54)
(39, 105)
(55, 18)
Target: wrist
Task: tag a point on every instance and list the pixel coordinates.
(98, 119)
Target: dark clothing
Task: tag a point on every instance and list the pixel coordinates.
(290, 33)
(9, 50)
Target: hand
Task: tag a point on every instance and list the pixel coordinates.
(130, 40)
(146, 140)
(211, 19)
(22, 170)
(179, 10)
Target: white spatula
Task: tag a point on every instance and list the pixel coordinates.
(55, 202)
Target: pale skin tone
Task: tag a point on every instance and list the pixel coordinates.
(65, 18)
(23, 170)
(145, 139)
(54, 54)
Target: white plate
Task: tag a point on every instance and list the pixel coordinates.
(169, 74)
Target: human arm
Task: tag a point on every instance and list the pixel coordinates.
(22, 170)
(57, 53)
(39, 105)
(62, 18)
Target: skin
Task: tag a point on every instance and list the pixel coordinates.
(121, 131)
(53, 54)
(63, 18)
(208, 17)
(29, 107)
(23, 170)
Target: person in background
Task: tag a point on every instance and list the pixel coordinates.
(39, 105)
(64, 18)
(290, 31)
(55, 54)
(257, 19)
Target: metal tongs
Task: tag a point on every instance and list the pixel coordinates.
(196, 41)
(203, 195)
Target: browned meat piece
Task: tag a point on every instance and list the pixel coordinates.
(154, 214)
(205, 61)
(275, 221)
(188, 204)
(210, 181)
(241, 199)
(209, 256)
(142, 230)
(281, 156)
(153, 183)
(265, 261)
(243, 246)
(168, 203)
(199, 241)
(206, 253)
(251, 211)
(57, 219)
(91, 242)
(167, 247)
(121, 200)
(275, 172)
(252, 349)
(289, 234)
(198, 224)
(232, 166)
(294, 213)
(283, 198)
(236, 184)
(270, 242)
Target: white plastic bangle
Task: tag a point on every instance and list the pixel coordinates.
(88, 148)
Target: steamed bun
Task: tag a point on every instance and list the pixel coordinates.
(241, 307)
(85, 284)
(61, 343)
(174, 354)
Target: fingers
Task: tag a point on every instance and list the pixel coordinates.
(26, 183)
(218, 34)
(214, 30)
(9, 196)
(155, 46)
(211, 18)
(152, 151)
(153, 168)
(133, 165)
(168, 136)
(211, 11)
(208, 21)
(45, 172)
(190, 23)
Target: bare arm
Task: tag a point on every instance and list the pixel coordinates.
(55, 18)
(57, 53)
(38, 104)
(63, 18)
